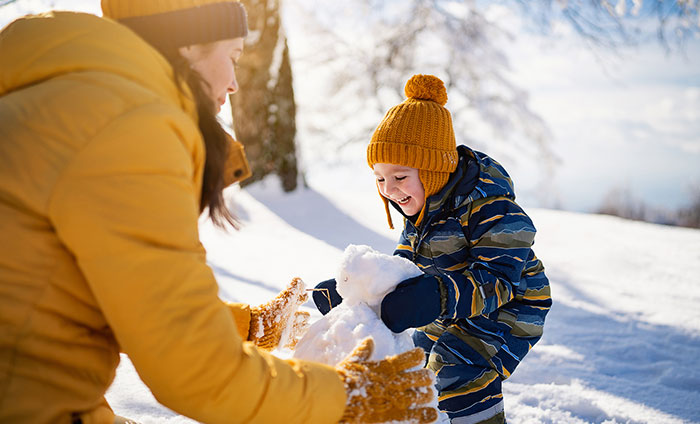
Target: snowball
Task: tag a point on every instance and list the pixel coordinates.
(364, 277)
(330, 339)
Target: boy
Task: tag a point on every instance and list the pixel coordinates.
(480, 305)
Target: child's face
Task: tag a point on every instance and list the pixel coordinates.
(401, 185)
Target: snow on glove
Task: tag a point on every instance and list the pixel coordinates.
(386, 390)
(278, 321)
(415, 302)
(297, 331)
(325, 296)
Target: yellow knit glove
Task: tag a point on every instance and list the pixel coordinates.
(278, 320)
(386, 390)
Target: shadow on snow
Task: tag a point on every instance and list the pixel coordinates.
(310, 212)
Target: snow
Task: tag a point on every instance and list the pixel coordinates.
(621, 343)
(364, 277)
(332, 338)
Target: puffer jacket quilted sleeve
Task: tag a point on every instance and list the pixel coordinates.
(116, 210)
(101, 165)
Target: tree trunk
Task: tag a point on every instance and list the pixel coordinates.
(264, 112)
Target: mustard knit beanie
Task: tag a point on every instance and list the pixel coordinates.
(179, 23)
(418, 133)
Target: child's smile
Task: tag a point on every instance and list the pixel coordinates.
(401, 185)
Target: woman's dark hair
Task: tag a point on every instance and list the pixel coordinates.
(216, 140)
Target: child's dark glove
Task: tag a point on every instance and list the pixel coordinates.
(325, 296)
(415, 302)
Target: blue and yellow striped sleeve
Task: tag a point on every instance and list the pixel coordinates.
(404, 248)
(500, 236)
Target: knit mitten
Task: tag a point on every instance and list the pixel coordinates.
(278, 321)
(415, 302)
(386, 390)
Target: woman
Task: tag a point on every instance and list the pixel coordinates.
(109, 152)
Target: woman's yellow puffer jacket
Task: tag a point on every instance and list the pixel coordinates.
(100, 172)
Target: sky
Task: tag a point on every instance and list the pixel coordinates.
(630, 122)
(626, 122)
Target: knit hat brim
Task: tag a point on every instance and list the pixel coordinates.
(412, 155)
(196, 25)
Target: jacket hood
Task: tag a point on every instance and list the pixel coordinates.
(36, 48)
(477, 176)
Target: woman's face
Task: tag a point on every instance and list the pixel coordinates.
(216, 63)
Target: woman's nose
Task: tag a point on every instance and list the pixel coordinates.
(233, 87)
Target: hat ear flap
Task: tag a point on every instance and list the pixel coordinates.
(386, 208)
(433, 182)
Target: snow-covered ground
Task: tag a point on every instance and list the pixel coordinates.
(621, 343)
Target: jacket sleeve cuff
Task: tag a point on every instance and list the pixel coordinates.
(330, 401)
(461, 297)
(241, 315)
(449, 297)
(443, 297)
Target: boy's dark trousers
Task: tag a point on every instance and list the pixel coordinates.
(469, 392)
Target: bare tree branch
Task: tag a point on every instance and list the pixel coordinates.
(601, 24)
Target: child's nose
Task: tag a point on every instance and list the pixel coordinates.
(390, 187)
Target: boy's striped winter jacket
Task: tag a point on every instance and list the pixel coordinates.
(477, 240)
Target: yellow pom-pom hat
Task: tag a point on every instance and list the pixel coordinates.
(418, 133)
(178, 23)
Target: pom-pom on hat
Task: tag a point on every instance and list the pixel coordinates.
(418, 133)
(179, 23)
